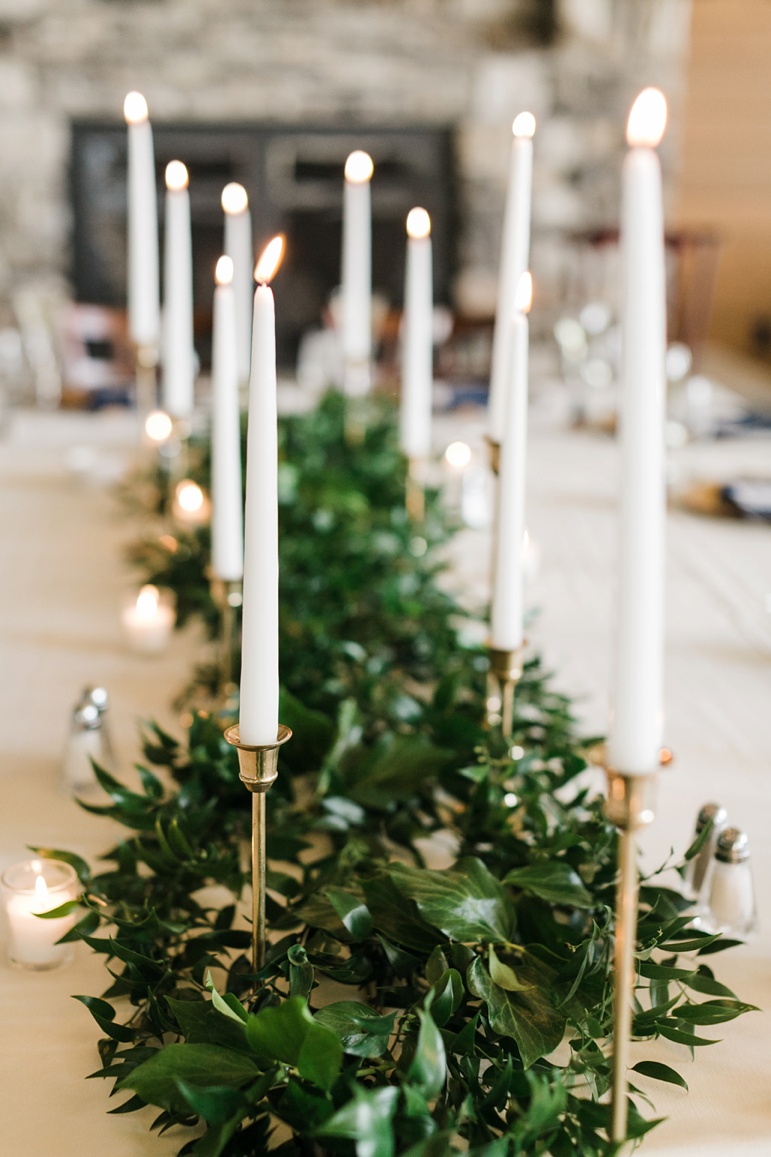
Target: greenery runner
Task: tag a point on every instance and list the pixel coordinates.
(441, 901)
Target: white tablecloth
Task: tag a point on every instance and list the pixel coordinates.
(63, 579)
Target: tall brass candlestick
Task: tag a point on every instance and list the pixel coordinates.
(415, 496)
(227, 596)
(629, 806)
(504, 672)
(146, 376)
(258, 771)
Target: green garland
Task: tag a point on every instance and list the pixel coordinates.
(479, 1005)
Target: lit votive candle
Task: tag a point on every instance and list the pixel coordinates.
(148, 621)
(191, 506)
(30, 888)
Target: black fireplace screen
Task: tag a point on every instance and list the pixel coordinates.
(294, 176)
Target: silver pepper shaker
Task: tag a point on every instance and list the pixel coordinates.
(100, 699)
(731, 905)
(696, 871)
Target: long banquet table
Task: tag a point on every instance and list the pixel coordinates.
(63, 580)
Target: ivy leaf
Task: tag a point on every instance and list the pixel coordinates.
(353, 912)
(503, 974)
(400, 764)
(289, 1033)
(367, 1120)
(429, 1066)
(200, 1023)
(363, 1031)
(467, 903)
(528, 1016)
(660, 1072)
(552, 880)
(157, 1079)
(216, 1104)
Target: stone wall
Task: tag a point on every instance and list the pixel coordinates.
(474, 63)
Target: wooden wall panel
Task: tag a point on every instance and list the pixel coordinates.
(725, 179)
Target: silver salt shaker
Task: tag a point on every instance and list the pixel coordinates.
(731, 904)
(84, 743)
(696, 870)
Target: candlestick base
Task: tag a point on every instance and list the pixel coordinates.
(494, 453)
(630, 806)
(415, 490)
(146, 377)
(227, 595)
(504, 672)
(258, 771)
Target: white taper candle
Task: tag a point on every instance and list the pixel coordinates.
(417, 339)
(227, 528)
(637, 716)
(238, 247)
(357, 270)
(258, 718)
(144, 318)
(177, 353)
(507, 616)
(515, 256)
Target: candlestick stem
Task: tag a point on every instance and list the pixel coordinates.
(415, 494)
(258, 771)
(227, 596)
(146, 377)
(504, 672)
(629, 806)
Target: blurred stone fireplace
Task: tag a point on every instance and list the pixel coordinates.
(293, 174)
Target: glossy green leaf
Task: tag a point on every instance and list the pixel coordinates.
(552, 880)
(660, 1072)
(429, 1067)
(467, 903)
(529, 1016)
(366, 1120)
(362, 1031)
(157, 1080)
(290, 1034)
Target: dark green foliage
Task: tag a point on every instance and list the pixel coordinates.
(462, 981)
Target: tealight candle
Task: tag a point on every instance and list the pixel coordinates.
(30, 888)
(148, 622)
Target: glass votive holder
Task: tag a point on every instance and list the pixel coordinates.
(148, 620)
(30, 888)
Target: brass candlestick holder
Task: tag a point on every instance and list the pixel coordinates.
(146, 376)
(258, 771)
(504, 672)
(227, 596)
(630, 806)
(494, 452)
(415, 493)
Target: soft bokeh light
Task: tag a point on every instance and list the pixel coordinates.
(147, 601)
(176, 176)
(223, 274)
(524, 125)
(647, 119)
(458, 454)
(189, 496)
(158, 426)
(524, 295)
(418, 223)
(359, 167)
(234, 198)
(135, 108)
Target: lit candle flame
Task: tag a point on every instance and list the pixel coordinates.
(147, 601)
(524, 296)
(223, 274)
(41, 894)
(176, 176)
(158, 426)
(418, 223)
(647, 119)
(270, 259)
(234, 198)
(359, 167)
(135, 108)
(524, 125)
(189, 496)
